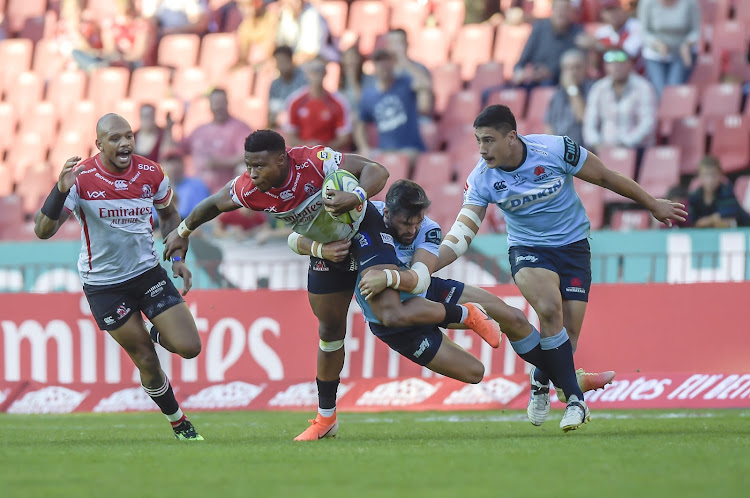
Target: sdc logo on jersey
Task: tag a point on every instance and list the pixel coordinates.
(146, 167)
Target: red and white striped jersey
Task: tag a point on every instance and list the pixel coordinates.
(114, 210)
(299, 202)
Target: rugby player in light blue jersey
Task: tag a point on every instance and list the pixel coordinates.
(531, 179)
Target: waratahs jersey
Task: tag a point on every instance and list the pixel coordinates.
(114, 210)
(540, 205)
(298, 203)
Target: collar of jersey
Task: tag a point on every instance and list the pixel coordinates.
(105, 171)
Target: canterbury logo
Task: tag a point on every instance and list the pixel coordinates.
(96, 195)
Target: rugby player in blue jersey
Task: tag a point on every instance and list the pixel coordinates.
(531, 179)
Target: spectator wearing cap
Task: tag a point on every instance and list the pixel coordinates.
(189, 191)
(391, 105)
(567, 108)
(317, 116)
(671, 30)
(619, 30)
(621, 107)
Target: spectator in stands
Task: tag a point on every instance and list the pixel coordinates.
(621, 107)
(479, 11)
(567, 108)
(256, 31)
(550, 38)
(150, 137)
(217, 147)
(76, 31)
(126, 39)
(397, 44)
(303, 28)
(391, 104)
(189, 191)
(713, 204)
(353, 78)
(317, 116)
(671, 30)
(291, 78)
(618, 31)
(177, 16)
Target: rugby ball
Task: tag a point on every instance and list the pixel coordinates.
(344, 181)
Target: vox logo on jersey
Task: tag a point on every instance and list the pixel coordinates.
(99, 194)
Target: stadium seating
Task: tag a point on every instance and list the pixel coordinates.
(149, 84)
(742, 192)
(487, 75)
(472, 47)
(446, 203)
(430, 135)
(12, 209)
(7, 126)
(592, 197)
(429, 46)
(41, 118)
(130, 110)
(719, 100)
(25, 92)
(462, 108)
(368, 18)
(190, 83)
(432, 171)
(713, 11)
(689, 134)
(660, 170)
(65, 89)
(253, 111)
(68, 144)
(409, 16)
(6, 182)
(729, 36)
(15, 55)
(19, 11)
(706, 71)
(515, 98)
(619, 159)
(107, 85)
(239, 82)
(446, 81)
(630, 219)
(450, 16)
(731, 143)
(509, 43)
(48, 61)
(178, 51)
(335, 13)
(678, 101)
(81, 118)
(219, 51)
(397, 165)
(539, 99)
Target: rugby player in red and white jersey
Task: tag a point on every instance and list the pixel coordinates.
(112, 195)
(286, 183)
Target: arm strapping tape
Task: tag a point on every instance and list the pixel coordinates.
(183, 230)
(423, 277)
(293, 241)
(462, 232)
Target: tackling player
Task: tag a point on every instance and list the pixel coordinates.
(531, 179)
(287, 184)
(112, 195)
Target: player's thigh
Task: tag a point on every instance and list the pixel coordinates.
(512, 321)
(573, 315)
(134, 339)
(455, 362)
(177, 325)
(331, 311)
(541, 288)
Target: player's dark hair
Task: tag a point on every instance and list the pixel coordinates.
(499, 117)
(406, 197)
(283, 50)
(267, 140)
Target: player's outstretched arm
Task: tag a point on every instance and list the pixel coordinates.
(463, 231)
(169, 218)
(335, 251)
(48, 219)
(372, 177)
(208, 209)
(594, 171)
(414, 280)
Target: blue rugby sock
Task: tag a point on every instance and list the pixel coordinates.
(557, 354)
(529, 348)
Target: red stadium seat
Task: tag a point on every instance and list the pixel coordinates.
(515, 98)
(12, 209)
(82, 118)
(463, 151)
(175, 108)
(731, 143)
(409, 16)
(619, 159)
(333, 75)
(509, 43)
(430, 47)
(539, 99)
(35, 186)
(738, 69)
(742, 192)
(190, 83)
(7, 126)
(397, 164)
(65, 89)
(130, 110)
(178, 50)
(239, 82)
(430, 135)
(48, 60)
(446, 81)
(253, 111)
(446, 204)
(25, 92)
(689, 134)
(660, 170)
(729, 36)
(6, 185)
(29, 148)
(41, 118)
(263, 80)
(15, 55)
(678, 101)
(219, 52)
(592, 197)
(196, 114)
(149, 84)
(106, 86)
(368, 18)
(335, 13)
(720, 100)
(487, 75)
(630, 219)
(742, 11)
(68, 144)
(706, 71)
(102, 9)
(462, 108)
(18, 11)
(450, 16)
(713, 11)
(472, 47)
(433, 170)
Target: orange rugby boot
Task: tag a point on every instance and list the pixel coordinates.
(589, 382)
(319, 428)
(481, 323)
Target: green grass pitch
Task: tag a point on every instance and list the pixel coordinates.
(469, 454)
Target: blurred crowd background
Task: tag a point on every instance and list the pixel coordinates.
(656, 88)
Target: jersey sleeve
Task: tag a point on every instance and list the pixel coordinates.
(71, 202)
(429, 237)
(163, 195)
(571, 155)
(473, 192)
(331, 160)
(236, 189)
